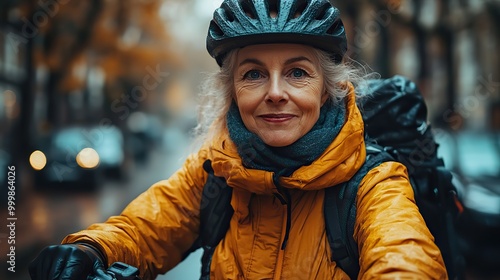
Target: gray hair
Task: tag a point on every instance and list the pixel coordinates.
(217, 90)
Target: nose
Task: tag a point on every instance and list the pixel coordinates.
(276, 92)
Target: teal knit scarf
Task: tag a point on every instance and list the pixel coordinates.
(283, 161)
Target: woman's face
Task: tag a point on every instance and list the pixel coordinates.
(279, 91)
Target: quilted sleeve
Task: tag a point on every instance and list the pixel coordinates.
(155, 229)
(393, 240)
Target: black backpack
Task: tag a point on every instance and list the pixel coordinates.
(396, 128)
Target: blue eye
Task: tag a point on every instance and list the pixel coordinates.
(253, 75)
(298, 73)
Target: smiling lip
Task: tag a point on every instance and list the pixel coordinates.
(277, 118)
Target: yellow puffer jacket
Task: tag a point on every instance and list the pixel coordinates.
(157, 227)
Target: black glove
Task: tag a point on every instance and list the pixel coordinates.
(68, 261)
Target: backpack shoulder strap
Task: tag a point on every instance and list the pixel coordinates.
(215, 208)
(215, 215)
(340, 213)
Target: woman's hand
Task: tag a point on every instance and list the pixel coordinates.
(67, 261)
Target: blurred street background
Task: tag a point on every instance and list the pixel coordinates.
(98, 99)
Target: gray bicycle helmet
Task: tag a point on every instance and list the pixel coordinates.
(239, 23)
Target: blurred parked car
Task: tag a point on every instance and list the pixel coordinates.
(475, 158)
(145, 131)
(77, 158)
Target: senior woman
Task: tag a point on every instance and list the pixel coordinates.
(280, 126)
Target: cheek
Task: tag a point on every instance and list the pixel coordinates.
(246, 107)
(310, 109)
(312, 104)
(312, 96)
(311, 114)
(247, 99)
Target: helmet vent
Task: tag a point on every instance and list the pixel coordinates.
(337, 28)
(300, 6)
(322, 12)
(273, 8)
(215, 29)
(248, 9)
(227, 12)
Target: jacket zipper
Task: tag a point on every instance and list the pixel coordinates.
(284, 229)
(281, 252)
